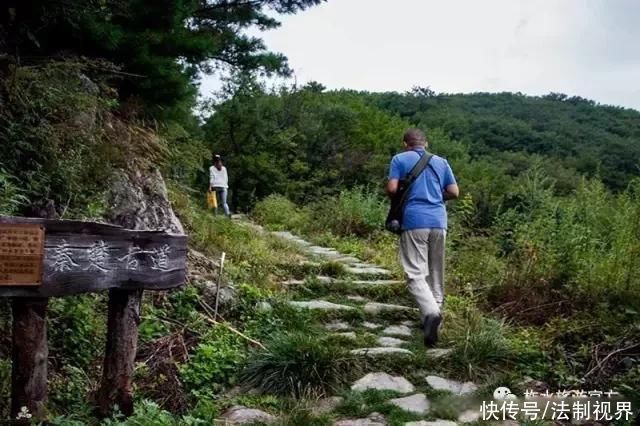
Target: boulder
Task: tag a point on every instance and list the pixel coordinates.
(139, 200)
(228, 294)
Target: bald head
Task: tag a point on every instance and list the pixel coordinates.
(414, 137)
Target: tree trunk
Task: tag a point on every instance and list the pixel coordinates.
(29, 356)
(122, 340)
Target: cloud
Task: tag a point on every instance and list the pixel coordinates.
(583, 47)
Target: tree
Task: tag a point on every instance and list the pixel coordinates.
(161, 45)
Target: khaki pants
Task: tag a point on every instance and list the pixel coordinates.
(422, 257)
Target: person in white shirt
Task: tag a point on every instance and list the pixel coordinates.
(219, 182)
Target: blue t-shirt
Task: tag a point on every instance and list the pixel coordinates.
(425, 206)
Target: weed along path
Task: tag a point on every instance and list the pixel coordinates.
(366, 317)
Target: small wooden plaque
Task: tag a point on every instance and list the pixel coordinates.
(21, 254)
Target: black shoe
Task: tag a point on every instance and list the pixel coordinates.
(430, 328)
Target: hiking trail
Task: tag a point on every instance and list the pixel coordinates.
(392, 331)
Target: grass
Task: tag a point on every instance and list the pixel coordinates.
(301, 364)
(303, 361)
(263, 260)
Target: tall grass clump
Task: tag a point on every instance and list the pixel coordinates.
(353, 212)
(480, 344)
(301, 365)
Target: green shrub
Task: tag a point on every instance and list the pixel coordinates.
(77, 327)
(68, 389)
(53, 135)
(214, 363)
(352, 212)
(277, 212)
(476, 265)
(300, 364)
(146, 413)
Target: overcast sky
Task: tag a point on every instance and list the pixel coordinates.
(589, 48)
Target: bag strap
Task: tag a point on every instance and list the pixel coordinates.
(417, 169)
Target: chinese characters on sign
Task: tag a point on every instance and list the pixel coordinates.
(97, 258)
(21, 254)
(573, 405)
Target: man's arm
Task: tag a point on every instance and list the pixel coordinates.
(392, 187)
(451, 192)
(395, 172)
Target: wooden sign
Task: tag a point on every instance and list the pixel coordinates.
(21, 254)
(82, 257)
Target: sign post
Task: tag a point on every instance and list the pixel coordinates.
(42, 258)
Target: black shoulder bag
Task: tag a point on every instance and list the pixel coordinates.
(398, 201)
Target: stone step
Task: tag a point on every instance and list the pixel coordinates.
(320, 305)
(453, 386)
(380, 351)
(348, 259)
(469, 416)
(375, 308)
(373, 419)
(371, 325)
(376, 282)
(323, 279)
(397, 330)
(438, 352)
(437, 422)
(367, 270)
(383, 381)
(347, 334)
(337, 326)
(415, 404)
(390, 342)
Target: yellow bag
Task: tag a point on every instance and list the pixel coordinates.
(212, 200)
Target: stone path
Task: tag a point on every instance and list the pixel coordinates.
(393, 340)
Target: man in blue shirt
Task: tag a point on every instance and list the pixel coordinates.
(424, 228)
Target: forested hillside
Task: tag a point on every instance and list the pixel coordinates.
(593, 139)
